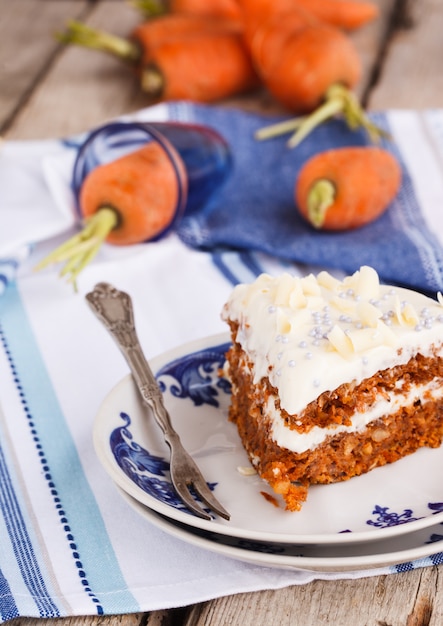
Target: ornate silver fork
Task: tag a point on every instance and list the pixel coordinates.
(114, 309)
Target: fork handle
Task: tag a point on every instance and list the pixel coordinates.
(114, 309)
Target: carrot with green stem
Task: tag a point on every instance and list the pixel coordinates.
(191, 40)
(347, 188)
(145, 36)
(127, 201)
(314, 75)
(309, 67)
(200, 68)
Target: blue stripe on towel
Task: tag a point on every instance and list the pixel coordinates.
(90, 546)
(250, 262)
(8, 607)
(428, 561)
(237, 267)
(9, 265)
(23, 549)
(7, 272)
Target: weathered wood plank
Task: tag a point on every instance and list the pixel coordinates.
(409, 599)
(84, 87)
(370, 42)
(412, 75)
(27, 47)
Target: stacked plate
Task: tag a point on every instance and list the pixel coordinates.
(390, 516)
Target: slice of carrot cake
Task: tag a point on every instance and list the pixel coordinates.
(332, 378)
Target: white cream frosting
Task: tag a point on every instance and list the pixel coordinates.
(310, 335)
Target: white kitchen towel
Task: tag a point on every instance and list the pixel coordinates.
(69, 544)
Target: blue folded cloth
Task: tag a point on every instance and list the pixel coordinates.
(255, 210)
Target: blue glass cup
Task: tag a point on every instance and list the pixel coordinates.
(200, 156)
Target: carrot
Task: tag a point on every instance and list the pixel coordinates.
(311, 60)
(182, 43)
(266, 40)
(140, 187)
(204, 68)
(256, 15)
(310, 69)
(130, 200)
(346, 14)
(309, 66)
(346, 188)
(151, 33)
(146, 35)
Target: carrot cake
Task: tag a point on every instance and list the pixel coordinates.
(332, 378)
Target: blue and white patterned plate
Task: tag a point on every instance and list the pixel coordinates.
(390, 501)
(403, 553)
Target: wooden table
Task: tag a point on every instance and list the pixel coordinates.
(48, 90)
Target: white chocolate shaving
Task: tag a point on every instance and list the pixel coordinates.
(246, 471)
(284, 289)
(364, 283)
(283, 323)
(368, 338)
(310, 285)
(406, 314)
(341, 342)
(297, 298)
(327, 281)
(368, 314)
(343, 305)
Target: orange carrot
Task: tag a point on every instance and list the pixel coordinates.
(309, 67)
(346, 188)
(179, 56)
(266, 40)
(140, 187)
(151, 33)
(145, 36)
(297, 56)
(346, 14)
(130, 200)
(311, 60)
(205, 68)
(256, 15)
